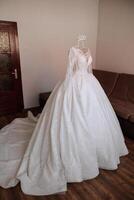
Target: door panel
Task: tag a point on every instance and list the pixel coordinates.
(11, 98)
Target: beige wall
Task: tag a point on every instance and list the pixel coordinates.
(47, 28)
(115, 44)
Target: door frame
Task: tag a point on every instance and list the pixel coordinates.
(20, 101)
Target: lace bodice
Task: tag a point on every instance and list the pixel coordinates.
(78, 62)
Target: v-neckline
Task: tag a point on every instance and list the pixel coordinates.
(83, 53)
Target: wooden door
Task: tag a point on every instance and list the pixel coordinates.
(11, 98)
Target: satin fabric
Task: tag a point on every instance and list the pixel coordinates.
(76, 134)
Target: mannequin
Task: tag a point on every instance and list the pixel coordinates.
(81, 43)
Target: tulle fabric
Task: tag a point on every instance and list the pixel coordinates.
(76, 134)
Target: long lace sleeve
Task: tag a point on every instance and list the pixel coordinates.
(70, 66)
(90, 63)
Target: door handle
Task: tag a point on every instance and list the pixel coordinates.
(15, 73)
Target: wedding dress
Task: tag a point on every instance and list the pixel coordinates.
(76, 134)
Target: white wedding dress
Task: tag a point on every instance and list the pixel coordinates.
(76, 134)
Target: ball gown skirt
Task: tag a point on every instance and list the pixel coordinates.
(76, 134)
